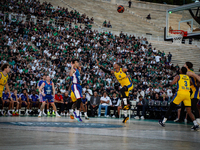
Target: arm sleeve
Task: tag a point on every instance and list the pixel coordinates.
(105, 70)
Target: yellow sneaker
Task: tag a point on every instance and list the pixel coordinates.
(125, 119)
(126, 107)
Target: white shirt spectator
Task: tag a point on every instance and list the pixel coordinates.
(157, 58)
(88, 93)
(169, 93)
(105, 99)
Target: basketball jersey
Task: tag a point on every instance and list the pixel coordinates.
(122, 78)
(183, 83)
(14, 97)
(34, 97)
(3, 81)
(5, 96)
(194, 87)
(76, 77)
(48, 88)
(23, 97)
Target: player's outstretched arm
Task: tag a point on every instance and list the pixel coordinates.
(104, 70)
(176, 78)
(192, 74)
(72, 70)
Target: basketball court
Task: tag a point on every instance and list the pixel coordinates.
(97, 133)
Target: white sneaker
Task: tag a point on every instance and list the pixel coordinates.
(185, 120)
(9, 113)
(58, 116)
(2, 113)
(99, 115)
(107, 116)
(62, 114)
(67, 114)
(26, 113)
(44, 114)
(142, 117)
(176, 120)
(113, 116)
(40, 114)
(136, 117)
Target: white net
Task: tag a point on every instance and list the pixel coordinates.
(177, 37)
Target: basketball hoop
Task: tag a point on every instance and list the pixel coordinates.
(178, 35)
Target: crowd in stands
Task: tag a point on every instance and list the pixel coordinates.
(33, 50)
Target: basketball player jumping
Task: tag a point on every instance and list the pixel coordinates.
(76, 89)
(124, 80)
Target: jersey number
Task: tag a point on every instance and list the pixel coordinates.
(186, 83)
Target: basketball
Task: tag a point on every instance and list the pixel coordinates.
(120, 9)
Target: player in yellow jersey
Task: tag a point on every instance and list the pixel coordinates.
(124, 80)
(3, 80)
(182, 95)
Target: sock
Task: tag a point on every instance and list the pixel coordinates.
(125, 113)
(85, 113)
(56, 113)
(16, 110)
(77, 112)
(47, 110)
(19, 110)
(13, 111)
(30, 110)
(43, 111)
(125, 101)
(38, 110)
(195, 122)
(53, 111)
(164, 120)
(27, 111)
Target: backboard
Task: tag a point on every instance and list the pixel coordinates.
(186, 18)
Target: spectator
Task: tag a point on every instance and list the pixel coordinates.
(114, 104)
(148, 16)
(109, 25)
(129, 4)
(169, 57)
(104, 103)
(94, 103)
(59, 103)
(88, 92)
(105, 23)
(84, 106)
(141, 106)
(63, 90)
(67, 102)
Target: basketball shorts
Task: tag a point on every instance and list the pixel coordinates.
(130, 87)
(48, 98)
(195, 93)
(182, 96)
(76, 92)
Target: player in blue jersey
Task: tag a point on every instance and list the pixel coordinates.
(15, 100)
(76, 89)
(48, 87)
(6, 102)
(34, 101)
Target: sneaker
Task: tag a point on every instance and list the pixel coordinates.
(26, 113)
(53, 114)
(136, 117)
(195, 127)
(126, 107)
(13, 114)
(99, 116)
(48, 113)
(75, 116)
(16, 114)
(9, 113)
(40, 114)
(125, 119)
(79, 119)
(2, 113)
(198, 121)
(113, 116)
(185, 120)
(176, 120)
(86, 118)
(44, 114)
(142, 117)
(58, 116)
(67, 114)
(161, 123)
(62, 114)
